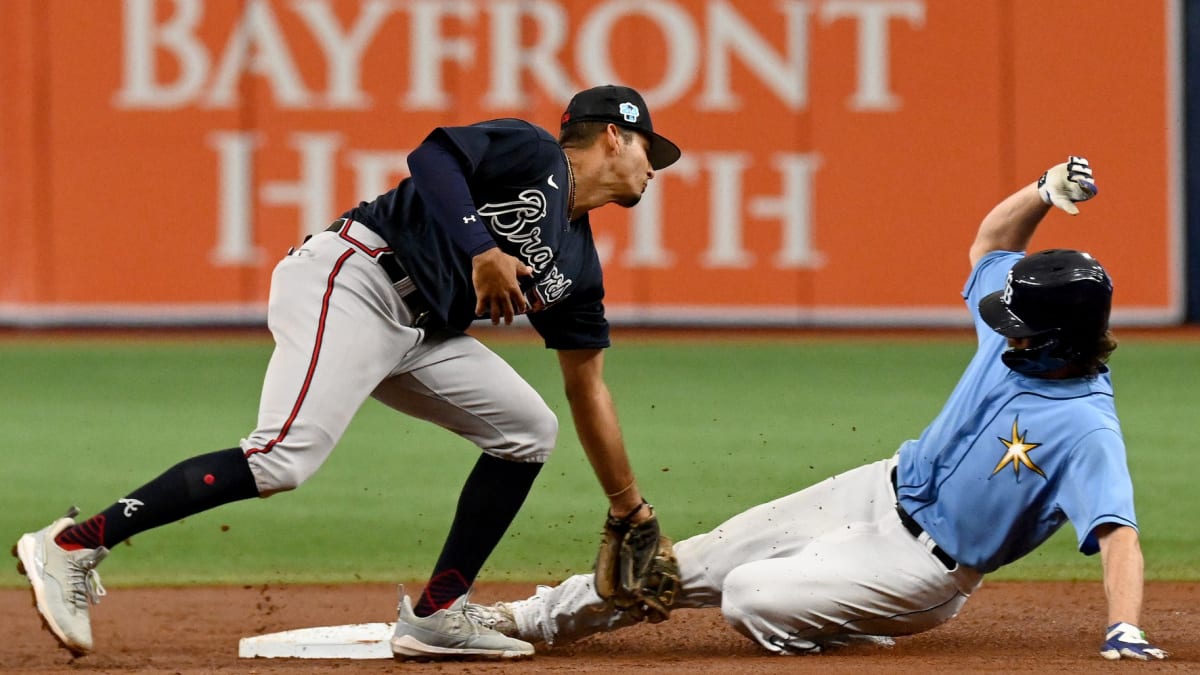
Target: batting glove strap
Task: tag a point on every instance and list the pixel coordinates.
(1125, 640)
(1064, 184)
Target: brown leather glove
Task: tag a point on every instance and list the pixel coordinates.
(636, 569)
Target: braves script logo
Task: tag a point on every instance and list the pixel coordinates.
(516, 222)
(131, 505)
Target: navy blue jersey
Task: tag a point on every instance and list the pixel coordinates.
(518, 178)
(1011, 458)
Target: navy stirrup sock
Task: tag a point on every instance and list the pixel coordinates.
(191, 486)
(490, 500)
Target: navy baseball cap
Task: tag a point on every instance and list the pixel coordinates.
(624, 107)
(1056, 290)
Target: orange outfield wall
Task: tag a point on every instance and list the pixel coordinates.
(159, 156)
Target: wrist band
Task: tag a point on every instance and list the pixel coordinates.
(623, 490)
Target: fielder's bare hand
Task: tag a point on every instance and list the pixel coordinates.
(498, 294)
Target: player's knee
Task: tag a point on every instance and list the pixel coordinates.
(753, 607)
(544, 432)
(743, 619)
(273, 477)
(741, 597)
(531, 439)
(284, 468)
(282, 480)
(747, 600)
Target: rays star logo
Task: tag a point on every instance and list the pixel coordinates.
(1017, 452)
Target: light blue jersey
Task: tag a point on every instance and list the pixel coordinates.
(1010, 458)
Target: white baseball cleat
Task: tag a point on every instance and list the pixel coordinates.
(451, 633)
(64, 583)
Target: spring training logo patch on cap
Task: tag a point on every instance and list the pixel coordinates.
(630, 112)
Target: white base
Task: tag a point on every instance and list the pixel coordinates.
(351, 641)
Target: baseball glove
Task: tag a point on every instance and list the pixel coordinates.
(636, 569)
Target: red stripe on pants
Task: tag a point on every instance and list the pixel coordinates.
(312, 363)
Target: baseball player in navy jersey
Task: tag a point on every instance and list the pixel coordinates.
(492, 223)
(1028, 440)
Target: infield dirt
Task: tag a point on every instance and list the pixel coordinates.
(1006, 627)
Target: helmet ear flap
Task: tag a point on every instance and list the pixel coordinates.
(1046, 357)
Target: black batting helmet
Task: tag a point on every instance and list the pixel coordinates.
(1060, 298)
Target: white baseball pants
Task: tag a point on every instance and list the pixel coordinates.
(817, 567)
(342, 333)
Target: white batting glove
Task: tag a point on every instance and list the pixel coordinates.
(1127, 641)
(1064, 184)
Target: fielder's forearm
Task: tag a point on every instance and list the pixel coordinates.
(595, 417)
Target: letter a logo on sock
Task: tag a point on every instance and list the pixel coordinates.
(131, 505)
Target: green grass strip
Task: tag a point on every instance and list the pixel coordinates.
(713, 428)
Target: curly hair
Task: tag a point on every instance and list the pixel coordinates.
(1089, 359)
